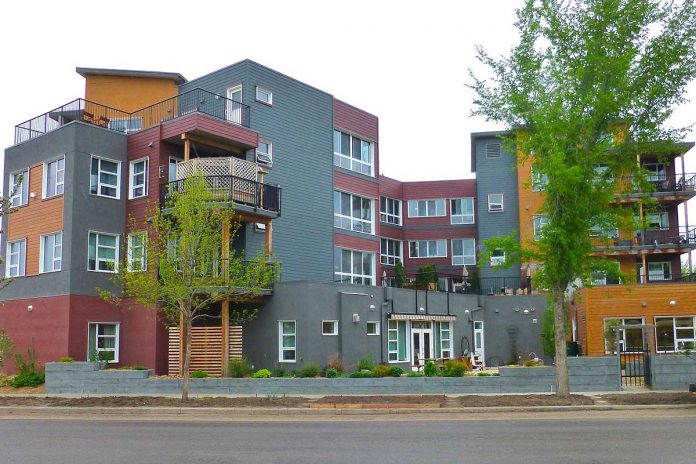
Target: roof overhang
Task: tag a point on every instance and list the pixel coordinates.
(176, 77)
(422, 317)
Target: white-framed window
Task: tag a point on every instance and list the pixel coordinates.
(172, 168)
(139, 174)
(137, 251)
(539, 181)
(462, 211)
(51, 252)
(493, 150)
(353, 212)
(443, 339)
(105, 178)
(390, 251)
(264, 153)
(675, 333)
(463, 251)
(390, 210)
(540, 221)
(126, 125)
(264, 96)
(354, 267)
(287, 341)
(495, 202)
(102, 252)
(658, 220)
(353, 153)
(657, 272)
(329, 327)
(497, 257)
(15, 261)
(20, 179)
(426, 208)
(53, 177)
(103, 339)
(656, 172)
(630, 338)
(372, 327)
(397, 341)
(427, 249)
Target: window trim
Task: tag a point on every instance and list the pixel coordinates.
(387, 214)
(426, 241)
(536, 232)
(96, 251)
(406, 342)
(342, 217)
(426, 215)
(117, 340)
(20, 190)
(674, 332)
(21, 260)
(129, 251)
(267, 92)
(377, 326)
(99, 183)
(338, 155)
(44, 179)
(502, 203)
(463, 256)
(145, 185)
(269, 155)
(463, 215)
(334, 327)
(499, 260)
(281, 348)
(373, 267)
(42, 250)
(385, 256)
(450, 329)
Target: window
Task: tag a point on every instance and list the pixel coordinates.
(657, 272)
(655, 172)
(601, 277)
(443, 339)
(497, 257)
(138, 178)
(372, 327)
(105, 178)
(658, 220)
(287, 341)
(103, 341)
(137, 251)
(329, 327)
(15, 262)
(426, 208)
(54, 178)
(464, 252)
(102, 252)
(51, 252)
(390, 210)
(390, 251)
(353, 153)
(462, 211)
(126, 125)
(396, 341)
(264, 153)
(675, 333)
(540, 221)
(495, 202)
(630, 338)
(353, 212)
(20, 180)
(539, 181)
(172, 168)
(427, 249)
(602, 173)
(353, 267)
(264, 96)
(493, 150)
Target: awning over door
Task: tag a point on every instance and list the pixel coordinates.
(422, 317)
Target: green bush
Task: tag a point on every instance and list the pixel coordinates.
(262, 374)
(239, 368)
(455, 369)
(362, 375)
(396, 371)
(66, 359)
(31, 379)
(430, 369)
(488, 374)
(310, 370)
(414, 374)
(366, 364)
(381, 371)
(278, 372)
(331, 373)
(199, 374)
(532, 363)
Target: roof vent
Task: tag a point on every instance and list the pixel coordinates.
(492, 150)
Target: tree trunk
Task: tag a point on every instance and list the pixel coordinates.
(187, 361)
(561, 358)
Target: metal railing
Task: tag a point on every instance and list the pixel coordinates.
(667, 278)
(661, 183)
(680, 237)
(231, 189)
(474, 285)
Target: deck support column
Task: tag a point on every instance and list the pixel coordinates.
(187, 147)
(269, 240)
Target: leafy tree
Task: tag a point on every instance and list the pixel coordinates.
(399, 274)
(187, 270)
(586, 74)
(427, 274)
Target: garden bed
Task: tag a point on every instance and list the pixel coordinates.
(651, 398)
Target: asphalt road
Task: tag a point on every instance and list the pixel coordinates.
(670, 439)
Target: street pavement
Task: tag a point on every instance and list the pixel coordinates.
(664, 437)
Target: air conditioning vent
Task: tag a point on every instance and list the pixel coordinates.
(492, 150)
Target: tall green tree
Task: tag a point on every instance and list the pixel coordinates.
(591, 82)
(176, 263)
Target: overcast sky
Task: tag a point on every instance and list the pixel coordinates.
(404, 61)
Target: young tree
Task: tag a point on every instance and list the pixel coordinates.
(179, 265)
(585, 74)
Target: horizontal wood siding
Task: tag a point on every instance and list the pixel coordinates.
(392, 188)
(138, 148)
(355, 243)
(353, 184)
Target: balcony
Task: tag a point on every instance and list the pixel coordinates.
(675, 240)
(218, 166)
(663, 187)
(472, 285)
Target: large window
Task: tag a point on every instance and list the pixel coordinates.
(443, 339)
(427, 249)
(630, 337)
(137, 251)
(495, 202)
(602, 278)
(51, 252)
(20, 180)
(675, 333)
(390, 251)
(287, 341)
(540, 221)
(539, 181)
(126, 125)
(397, 341)
(655, 172)
(658, 220)
(462, 211)
(353, 153)
(390, 210)
(353, 212)
(138, 178)
(54, 178)
(426, 208)
(497, 257)
(354, 267)
(463, 251)
(102, 252)
(105, 178)
(15, 261)
(657, 272)
(103, 341)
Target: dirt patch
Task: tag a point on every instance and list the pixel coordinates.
(384, 399)
(149, 401)
(23, 391)
(651, 398)
(477, 401)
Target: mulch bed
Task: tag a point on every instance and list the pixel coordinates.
(651, 398)
(379, 399)
(154, 401)
(477, 401)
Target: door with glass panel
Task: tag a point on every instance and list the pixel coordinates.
(478, 340)
(234, 104)
(421, 342)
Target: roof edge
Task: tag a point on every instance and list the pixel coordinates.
(176, 77)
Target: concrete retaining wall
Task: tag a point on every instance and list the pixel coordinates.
(673, 372)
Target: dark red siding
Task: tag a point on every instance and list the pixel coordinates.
(199, 123)
(359, 123)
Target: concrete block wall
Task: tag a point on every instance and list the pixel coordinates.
(673, 372)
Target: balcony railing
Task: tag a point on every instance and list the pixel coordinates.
(192, 101)
(679, 237)
(227, 166)
(232, 189)
(661, 183)
(474, 285)
(666, 278)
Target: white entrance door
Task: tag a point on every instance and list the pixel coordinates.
(421, 342)
(478, 340)
(234, 104)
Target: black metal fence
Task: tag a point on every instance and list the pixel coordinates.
(679, 236)
(635, 366)
(473, 285)
(682, 182)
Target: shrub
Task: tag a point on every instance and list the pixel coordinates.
(4, 380)
(335, 362)
(430, 369)
(262, 374)
(362, 375)
(414, 374)
(66, 359)
(33, 379)
(239, 368)
(278, 372)
(28, 375)
(455, 369)
(310, 370)
(531, 363)
(488, 374)
(331, 373)
(396, 371)
(381, 371)
(365, 364)
(199, 374)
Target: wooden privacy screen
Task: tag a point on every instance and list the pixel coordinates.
(206, 349)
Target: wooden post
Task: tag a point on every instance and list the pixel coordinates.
(225, 337)
(269, 239)
(187, 147)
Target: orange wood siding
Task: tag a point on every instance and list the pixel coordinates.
(36, 218)
(128, 93)
(530, 202)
